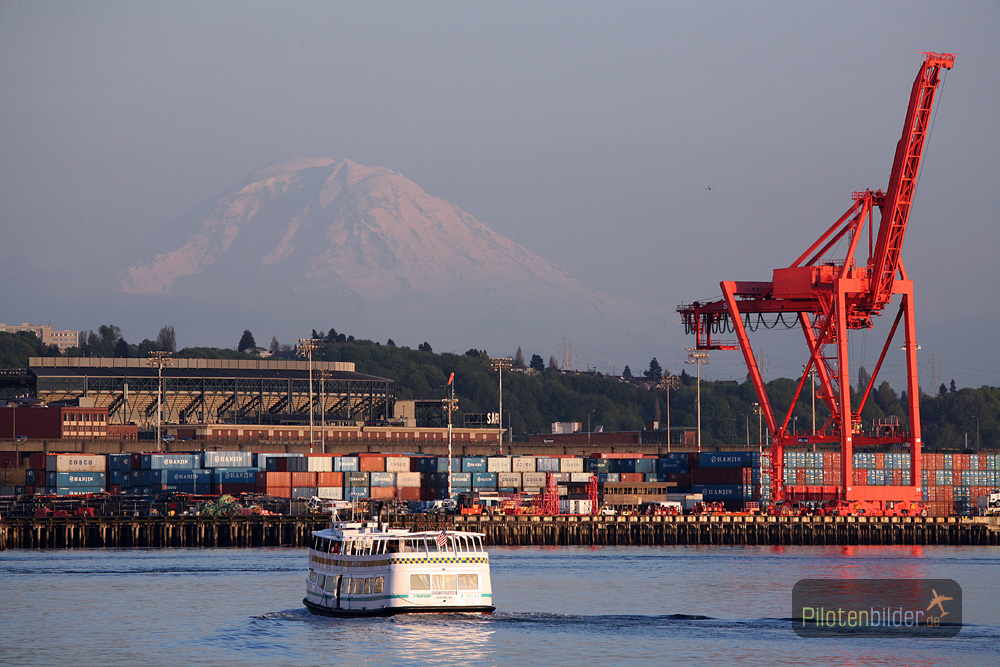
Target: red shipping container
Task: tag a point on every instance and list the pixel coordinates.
(860, 477)
(115, 488)
(382, 492)
(800, 477)
(279, 491)
(959, 462)
(897, 477)
(633, 477)
(410, 493)
(371, 463)
(329, 479)
(956, 478)
(37, 460)
(880, 461)
(303, 479)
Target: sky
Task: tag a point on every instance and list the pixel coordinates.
(587, 132)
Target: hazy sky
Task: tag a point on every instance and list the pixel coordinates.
(585, 131)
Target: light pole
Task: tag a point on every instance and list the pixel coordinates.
(666, 384)
(306, 347)
(589, 412)
(159, 358)
(324, 375)
(760, 428)
(697, 358)
(500, 364)
(451, 404)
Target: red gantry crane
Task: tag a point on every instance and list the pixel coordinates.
(827, 296)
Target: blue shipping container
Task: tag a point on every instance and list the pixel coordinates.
(203, 477)
(486, 480)
(383, 479)
(474, 464)
(346, 464)
(77, 479)
(726, 459)
(234, 475)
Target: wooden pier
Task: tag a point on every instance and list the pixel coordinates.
(76, 532)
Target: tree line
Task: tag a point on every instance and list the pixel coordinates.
(537, 394)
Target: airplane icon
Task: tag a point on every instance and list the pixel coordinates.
(936, 601)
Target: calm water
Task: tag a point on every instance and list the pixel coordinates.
(562, 606)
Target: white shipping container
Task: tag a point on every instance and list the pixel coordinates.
(408, 479)
(522, 464)
(687, 500)
(397, 464)
(580, 476)
(574, 464)
(75, 463)
(533, 479)
(498, 464)
(509, 480)
(330, 492)
(321, 463)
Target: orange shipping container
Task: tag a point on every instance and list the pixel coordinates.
(303, 479)
(329, 479)
(372, 464)
(279, 491)
(633, 476)
(278, 478)
(382, 492)
(410, 493)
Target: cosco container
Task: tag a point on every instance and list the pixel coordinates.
(523, 464)
(571, 464)
(397, 464)
(330, 492)
(509, 480)
(224, 459)
(533, 479)
(75, 463)
(498, 464)
(407, 479)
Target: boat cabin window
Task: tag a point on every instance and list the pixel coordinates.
(321, 582)
(392, 546)
(312, 575)
(331, 584)
(379, 585)
(420, 582)
(348, 547)
(443, 582)
(468, 582)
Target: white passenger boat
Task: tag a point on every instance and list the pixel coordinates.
(361, 569)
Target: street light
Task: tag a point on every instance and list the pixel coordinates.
(500, 364)
(589, 412)
(697, 358)
(760, 428)
(305, 349)
(451, 406)
(324, 375)
(159, 358)
(666, 384)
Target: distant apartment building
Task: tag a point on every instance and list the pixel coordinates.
(49, 336)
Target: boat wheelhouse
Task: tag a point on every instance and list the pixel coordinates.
(363, 569)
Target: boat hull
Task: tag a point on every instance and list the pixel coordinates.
(393, 611)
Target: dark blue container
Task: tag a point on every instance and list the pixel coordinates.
(200, 477)
(597, 465)
(484, 480)
(726, 459)
(234, 476)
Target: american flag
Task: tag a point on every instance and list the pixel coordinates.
(442, 540)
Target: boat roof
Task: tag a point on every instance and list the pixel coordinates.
(371, 529)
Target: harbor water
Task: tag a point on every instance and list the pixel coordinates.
(679, 605)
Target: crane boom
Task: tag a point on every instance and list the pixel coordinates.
(903, 179)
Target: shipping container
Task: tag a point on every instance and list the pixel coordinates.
(371, 463)
(498, 464)
(533, 479)
(381, 479)
(304, 479)
(330, 492)
(346, 464)
(727, 459)
(180, 461)
(456, 464)
(91, 480)
(320, 463)
(172, 476)
(235, 476)
(396, 464)
(509, 480)
(75, 463)
(382, 492)
(523, 464)
(484, 480)
(572, 465)
(474, 464)
(228, 459)
(408, 479)
(547, 464)
(356, 479)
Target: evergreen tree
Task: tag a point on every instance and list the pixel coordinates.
(655, 372)
(627, 373)
(537, 363)
(553, 366)
(426, 347)
(247, 343)
(518, 358)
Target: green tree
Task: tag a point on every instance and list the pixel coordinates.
(537, 363)
(655, 372)
(246, 341)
